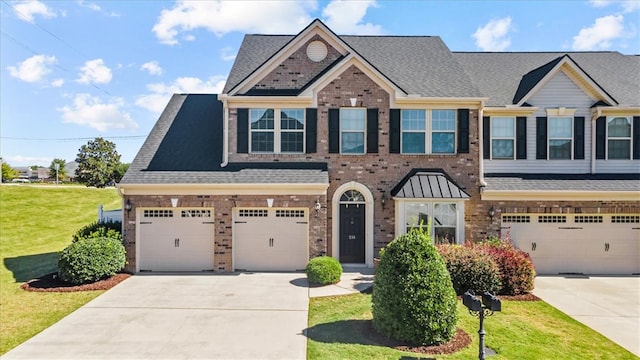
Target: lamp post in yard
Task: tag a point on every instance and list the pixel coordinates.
(490, 303)
(57, 166)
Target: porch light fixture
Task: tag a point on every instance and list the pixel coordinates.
(270, 202)
(492, 213)
(127, 206)
(317, 206)
(383, 200)
(174, 202)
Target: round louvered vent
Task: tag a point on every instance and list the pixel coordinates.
(317, 51)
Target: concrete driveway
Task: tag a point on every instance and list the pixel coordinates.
(609, 305)
(239, 316)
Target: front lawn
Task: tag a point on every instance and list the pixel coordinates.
(36, 223)
(523, 330)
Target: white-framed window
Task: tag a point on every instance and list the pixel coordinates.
(277, 130)
(619, 137)
(443, 131)
(353, 126)
(446, 219)
(503, 137)
(560, 138)
(428, 131)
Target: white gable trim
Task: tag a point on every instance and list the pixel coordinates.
(579, 77)
(315, 28)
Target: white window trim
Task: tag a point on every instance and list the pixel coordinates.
(400, 215)
(428, 132)
(364, 131)
(559, 138)
(277, 132)
(629, 138)
(513, 138)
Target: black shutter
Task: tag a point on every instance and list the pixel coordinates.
(372, 131)
(334, 131)
(635, 140)
(578, 137)
(311, 137)
(486, 137)
(521, 137)
(601, 137)
(463, 131)
(541, 138)
(394, 131)
(243, 131)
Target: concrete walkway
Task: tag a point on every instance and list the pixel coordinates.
(353, 280)
(239, 316)
(608, 304)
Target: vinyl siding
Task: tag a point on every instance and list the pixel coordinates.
(560, 91)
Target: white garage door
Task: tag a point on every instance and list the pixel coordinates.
(176, 240)
(270, 239)
(582, 244)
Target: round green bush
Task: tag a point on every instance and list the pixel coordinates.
(413, 297)
(109, 229)
(323, 270)
(471, 269)
(91, 260)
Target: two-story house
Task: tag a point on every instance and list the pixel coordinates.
(332, 145)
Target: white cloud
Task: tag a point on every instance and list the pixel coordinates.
(152, 67)
(161, 92)
(345, 17)
(90, 111)
(57, 83)
(227, 53)
(19, 160)
(600, 34)
(94, 71)
(494, 36)
(26, 10)
(33, 69)
(627, 5)
(89, 5)
(221, 17)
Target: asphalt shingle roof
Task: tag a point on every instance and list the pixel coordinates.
(498, 75)
(564, 182)
(185, 147)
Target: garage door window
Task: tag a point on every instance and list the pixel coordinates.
(552, 219)
(586, 219)
(196, 213)
(290, 213)
(157, 213)
(253, 212)
(623, 219)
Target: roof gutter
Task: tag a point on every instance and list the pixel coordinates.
(225, 130)
(483, 183)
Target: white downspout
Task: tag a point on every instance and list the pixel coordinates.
(481, 142)
(225, 134)
(594, 117)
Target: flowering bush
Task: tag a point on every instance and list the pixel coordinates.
(471, 269)
(516, 267)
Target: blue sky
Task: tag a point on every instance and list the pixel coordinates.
(74, 70)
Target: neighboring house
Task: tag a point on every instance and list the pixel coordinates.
(70, 169)
(333, 145)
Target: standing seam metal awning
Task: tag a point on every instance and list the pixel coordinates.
(428, 185)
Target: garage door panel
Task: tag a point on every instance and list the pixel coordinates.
(270, 239)
(589, 244)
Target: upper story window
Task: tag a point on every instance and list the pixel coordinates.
(502, 137)
(277, 130)
(421, 135)
(619, 137)
(560, 137)
(353, 126)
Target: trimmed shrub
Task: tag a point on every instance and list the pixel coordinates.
(516, 267)
(413, 299)
(471, 269)
(109, 229)
(91, 260)
(324, 270)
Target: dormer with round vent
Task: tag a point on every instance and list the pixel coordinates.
(317, 51)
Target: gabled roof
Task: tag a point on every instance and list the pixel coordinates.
(185, 147)
(499, 76)
(420, 65)
(428, 184)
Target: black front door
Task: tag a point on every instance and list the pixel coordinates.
(352, 233)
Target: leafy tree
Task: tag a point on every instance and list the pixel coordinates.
(62, 171)
(8, 173)
(118, 173)
(97, 161)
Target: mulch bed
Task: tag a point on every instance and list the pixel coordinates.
(52, 283)
(460, 341)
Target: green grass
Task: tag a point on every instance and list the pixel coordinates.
(523, 330)
(36, 223)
